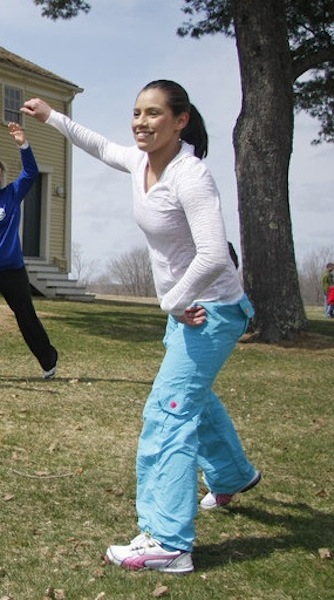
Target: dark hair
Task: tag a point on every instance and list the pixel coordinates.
(178, 100)
(233, 255)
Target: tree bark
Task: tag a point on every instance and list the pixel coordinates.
(263, 143)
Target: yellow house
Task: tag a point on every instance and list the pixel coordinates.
(46, 211)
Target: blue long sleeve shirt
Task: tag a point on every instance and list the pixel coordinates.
(11, 196)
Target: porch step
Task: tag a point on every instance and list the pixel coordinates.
(50, 282)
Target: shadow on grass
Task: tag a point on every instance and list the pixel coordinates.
(133, 326)
(322, 327)
(22, 382)
(319, 336)
(301, 527)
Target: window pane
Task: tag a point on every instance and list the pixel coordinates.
(13, 102)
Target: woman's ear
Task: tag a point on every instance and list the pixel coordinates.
(182, 120)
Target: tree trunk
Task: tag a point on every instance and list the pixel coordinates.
(263, 142)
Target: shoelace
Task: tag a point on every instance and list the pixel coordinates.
(143, 540)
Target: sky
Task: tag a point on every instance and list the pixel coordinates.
(112, 53)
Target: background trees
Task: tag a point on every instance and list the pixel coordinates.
(309, 25)
(62, 9)
(131, 274)
(85, 271)
(310, 273)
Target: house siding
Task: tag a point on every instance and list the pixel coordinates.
(52, 151)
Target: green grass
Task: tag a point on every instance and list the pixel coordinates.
(67, 456)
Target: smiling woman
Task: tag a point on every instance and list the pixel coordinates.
(177, 205)
(157, 132)
(162, 118)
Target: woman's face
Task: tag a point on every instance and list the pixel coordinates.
(154, 125)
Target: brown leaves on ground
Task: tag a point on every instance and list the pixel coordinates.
(55, 594)
(325, 553)
(160, 590)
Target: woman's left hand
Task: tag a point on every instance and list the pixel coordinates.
(193, 316)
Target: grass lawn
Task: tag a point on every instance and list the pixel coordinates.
(67, 460)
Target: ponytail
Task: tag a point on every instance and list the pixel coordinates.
(195, 133)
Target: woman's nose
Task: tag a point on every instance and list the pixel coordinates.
(142, 119)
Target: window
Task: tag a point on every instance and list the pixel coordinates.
(13, 103)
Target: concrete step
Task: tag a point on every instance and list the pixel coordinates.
(56, 282)
(49, 281)
(85, 297)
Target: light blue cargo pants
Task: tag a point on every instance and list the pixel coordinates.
(186, 426)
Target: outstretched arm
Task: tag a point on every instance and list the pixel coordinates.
(16, 131)
(37, 108)
(29, 170)
(95, 144)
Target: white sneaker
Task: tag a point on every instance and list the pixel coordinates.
(214, 500)
(49, 374)
(145, 552)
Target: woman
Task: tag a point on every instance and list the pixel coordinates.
(186, 426)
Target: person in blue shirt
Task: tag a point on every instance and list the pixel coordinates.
(14, 282)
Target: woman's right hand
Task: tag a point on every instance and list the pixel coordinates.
(193, 316)
(37, 108)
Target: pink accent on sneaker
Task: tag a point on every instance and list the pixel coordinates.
(145, 552)
(134, 563)
(213, 499)
(223, 499)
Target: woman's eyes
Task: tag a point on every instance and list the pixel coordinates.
(150, 113)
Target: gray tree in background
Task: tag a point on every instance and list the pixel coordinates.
(310, 272)
(84, 270)
(131, 273)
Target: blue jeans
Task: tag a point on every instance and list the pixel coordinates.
(329, 308)
(186, 426)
